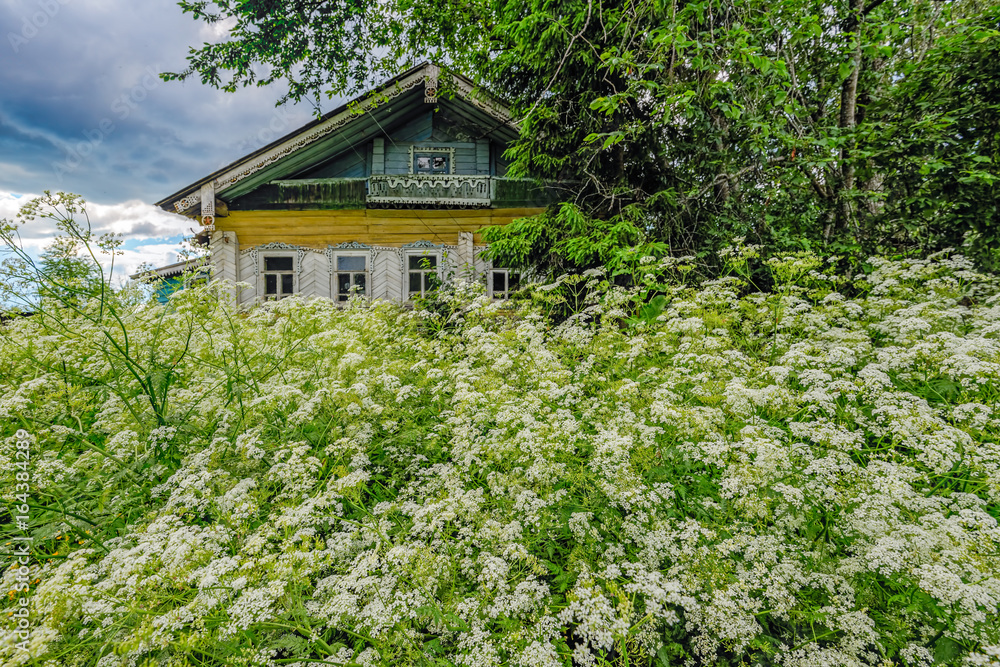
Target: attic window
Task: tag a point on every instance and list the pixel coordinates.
(428, 163)
(432, 161)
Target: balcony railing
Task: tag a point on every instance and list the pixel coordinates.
(408, 191)
(451, 190)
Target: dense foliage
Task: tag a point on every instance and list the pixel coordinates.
(847, 125)
(851, 126)
(710, 476)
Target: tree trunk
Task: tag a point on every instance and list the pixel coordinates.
(848, 121)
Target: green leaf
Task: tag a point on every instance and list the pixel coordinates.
(947, 650)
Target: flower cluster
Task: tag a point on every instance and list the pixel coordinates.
(800, 478)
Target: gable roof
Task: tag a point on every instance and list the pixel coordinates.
(332, 133)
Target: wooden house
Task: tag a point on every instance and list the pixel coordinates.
(383, 197)
(168, 279)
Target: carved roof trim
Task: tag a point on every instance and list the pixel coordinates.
(250, 164)
(422, 244)
(350, 245)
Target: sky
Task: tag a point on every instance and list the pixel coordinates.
(82, 110)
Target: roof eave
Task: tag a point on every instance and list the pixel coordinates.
(465, 87)
(171, 270)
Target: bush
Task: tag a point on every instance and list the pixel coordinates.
(732, 478)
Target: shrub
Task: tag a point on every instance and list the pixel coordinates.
(797, 477)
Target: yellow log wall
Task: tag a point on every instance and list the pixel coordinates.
(383, 227)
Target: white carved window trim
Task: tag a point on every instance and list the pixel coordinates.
(335, 273)
(437, 253)
(262, 273)
(433, 149)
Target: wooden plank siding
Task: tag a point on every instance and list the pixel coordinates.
(417, 128)
(498, 165)
(378, 155)
(483, 157)
(314, 279)
(397, 156)
(247, 274)
(352, 164)
(384, 227)
(386, 276)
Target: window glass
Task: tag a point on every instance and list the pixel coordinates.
(417, 262)
(351, 277)
(279, 276)
(503, 282)
(430, 163)
(278, 263)
(421, 274)
(350, 263)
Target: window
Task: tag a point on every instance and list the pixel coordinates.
(431, 163)
(503, 282)
(422, 274)
(432, 160)
(279, 276)
(350, 276)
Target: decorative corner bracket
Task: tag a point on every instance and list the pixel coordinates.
(208, 205)
(188, 202)
(431, 84)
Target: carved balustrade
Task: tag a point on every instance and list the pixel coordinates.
(410, 189)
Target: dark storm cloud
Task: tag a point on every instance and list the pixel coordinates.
(82, 108)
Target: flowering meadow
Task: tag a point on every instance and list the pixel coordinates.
(684, 473)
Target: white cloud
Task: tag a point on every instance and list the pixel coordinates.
(134, 220)
(216, 32)
(157, 254)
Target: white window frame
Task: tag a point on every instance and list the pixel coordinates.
(504, 294)
(448, 151)
(334, 286)
(263, 273)
(438, 254)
